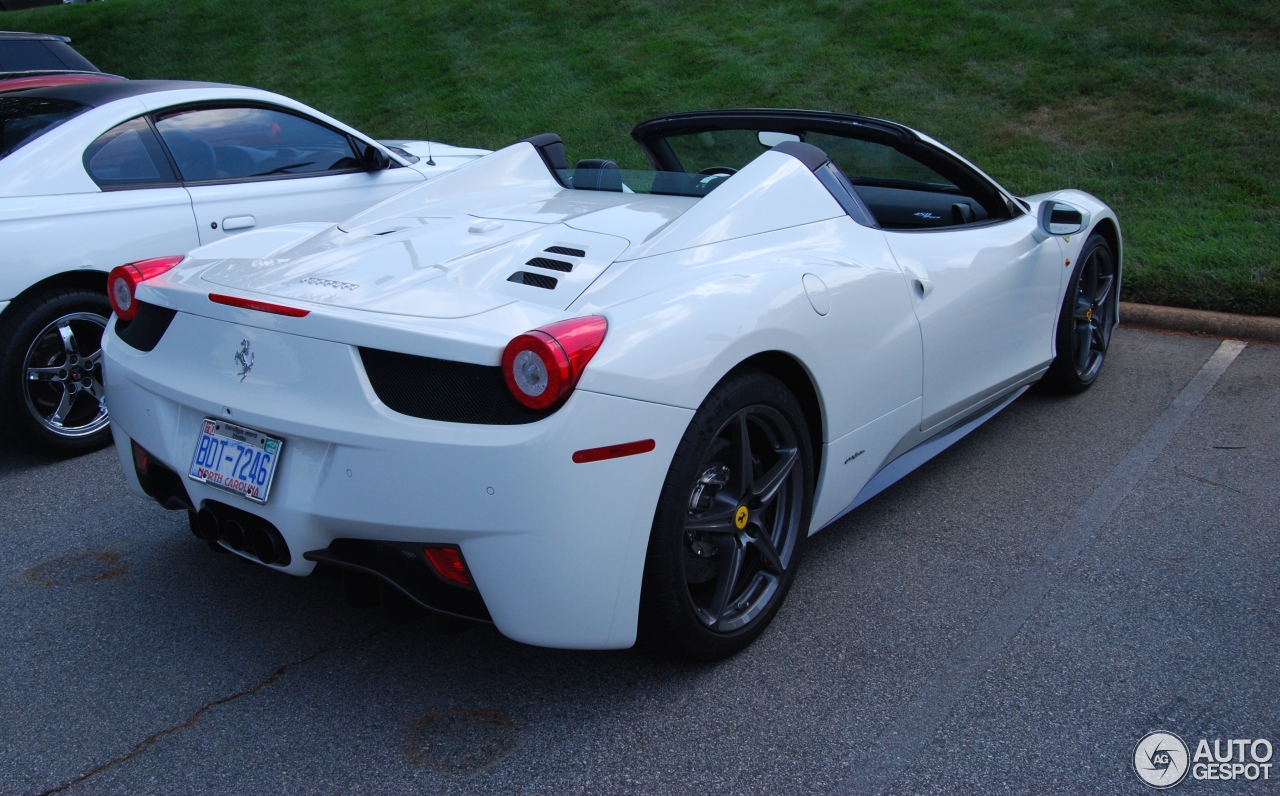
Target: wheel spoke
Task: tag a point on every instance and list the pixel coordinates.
(760, 538)
(95, 389)
(1103, 291)
(746, 471)
(68, 341)
(766, 489)
(1098, 343)
(712, 522)
(1091, 275)
(93, 360)
(1083, 305)
(730, 567)
(64, 406)
(46, 374)
(1084, 333)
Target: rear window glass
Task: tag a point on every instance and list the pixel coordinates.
(29, 55)
(128, 156)
(23, 119)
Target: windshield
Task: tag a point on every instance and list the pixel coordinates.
(24, 119)
(667, 183)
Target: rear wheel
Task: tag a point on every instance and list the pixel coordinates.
(1087, 318)
(51, 388)
(731, 521)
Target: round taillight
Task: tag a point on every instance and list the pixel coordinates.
(124, 280)
(541, 367)
(536, 369)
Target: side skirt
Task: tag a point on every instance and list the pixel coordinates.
(902, 466)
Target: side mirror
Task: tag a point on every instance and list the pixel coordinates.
(374, 159)
(771, 140)
(1059, 218)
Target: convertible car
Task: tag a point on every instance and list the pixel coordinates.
(96, 170)
(587, 403)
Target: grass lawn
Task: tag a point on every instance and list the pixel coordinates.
(1166, 110)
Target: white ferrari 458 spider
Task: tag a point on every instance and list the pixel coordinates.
(96, 171)
(586, 404)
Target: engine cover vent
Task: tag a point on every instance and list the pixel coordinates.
(565, 250)
(550, 265)
(533, 280)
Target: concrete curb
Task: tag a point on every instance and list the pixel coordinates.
(1213, 324)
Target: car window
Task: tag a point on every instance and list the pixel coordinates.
(247, 143)
(716, 148)
(128, 156)
(23, 119)
(28, 55)
(870, 163)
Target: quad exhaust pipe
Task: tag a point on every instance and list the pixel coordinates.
(242, 532)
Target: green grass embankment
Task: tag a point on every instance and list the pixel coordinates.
(1168, 111)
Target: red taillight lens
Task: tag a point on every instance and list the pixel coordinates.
(123, 281)
(259, 306)
(541, 367)
(448, 564)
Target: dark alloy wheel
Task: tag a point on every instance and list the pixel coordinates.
(731, 521)
(51, 380)
(1087, 319)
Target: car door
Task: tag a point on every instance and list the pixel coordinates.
(987, 298)
(250, 166)
(985, 285)
(142, 211)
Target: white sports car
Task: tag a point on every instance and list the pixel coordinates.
(93, 174)
(585, 403)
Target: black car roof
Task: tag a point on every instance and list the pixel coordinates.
(99, 94)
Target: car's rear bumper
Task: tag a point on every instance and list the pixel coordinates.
(556, 548)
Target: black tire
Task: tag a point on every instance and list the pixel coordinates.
(57, 336)
(724, 549)
(1087, 318)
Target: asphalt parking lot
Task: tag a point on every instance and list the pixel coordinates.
(1011, 618)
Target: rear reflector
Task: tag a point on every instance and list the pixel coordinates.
(448, 564)
(613, 451)
(140, 457)
(259, 306)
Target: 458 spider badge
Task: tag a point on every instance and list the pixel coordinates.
(244, 358)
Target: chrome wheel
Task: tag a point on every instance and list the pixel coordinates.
(743, 518)
(1093, 315)
(63, 376)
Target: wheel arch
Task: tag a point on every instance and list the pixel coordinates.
(795, 377)
(86, 278)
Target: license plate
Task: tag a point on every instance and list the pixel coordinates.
(236, 459)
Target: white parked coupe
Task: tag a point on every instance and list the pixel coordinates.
(585, 403)
(99, 173)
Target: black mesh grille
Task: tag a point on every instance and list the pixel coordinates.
(566, 251)
(440, 389)
(146, 328)
(534, 280)
(551, 265)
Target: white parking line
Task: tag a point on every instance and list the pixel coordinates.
(915, 727)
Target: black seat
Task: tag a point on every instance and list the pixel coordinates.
(593, 174)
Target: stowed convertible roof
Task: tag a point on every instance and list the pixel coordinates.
(99, 94)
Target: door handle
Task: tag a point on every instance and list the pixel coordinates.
(925, 286)
(238, 222)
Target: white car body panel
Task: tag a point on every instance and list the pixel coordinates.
(54, 219)
(769, 264)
